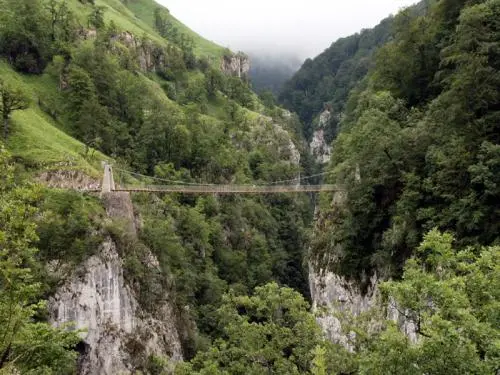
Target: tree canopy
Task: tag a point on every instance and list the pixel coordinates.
(424, 138)
(27, 345)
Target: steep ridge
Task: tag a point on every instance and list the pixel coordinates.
(118, 332)
(400, 144)
(326, 81)
(127, 83)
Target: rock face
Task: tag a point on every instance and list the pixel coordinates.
(277, 140)
(150, 56)
(68, 179)
(116, 330)
(319, 148)
(237, 65)
(331, 294)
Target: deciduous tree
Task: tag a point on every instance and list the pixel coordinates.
(27, 346)
(11, 99)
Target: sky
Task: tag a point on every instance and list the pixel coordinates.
(297, 28)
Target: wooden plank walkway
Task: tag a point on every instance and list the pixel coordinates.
(229, 189)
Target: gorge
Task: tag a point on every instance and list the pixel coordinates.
(396, 272)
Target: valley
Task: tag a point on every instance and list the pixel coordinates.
(159, 216)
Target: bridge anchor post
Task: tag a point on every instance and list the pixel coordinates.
(108, 183)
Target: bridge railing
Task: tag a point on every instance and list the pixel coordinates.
(228, 189)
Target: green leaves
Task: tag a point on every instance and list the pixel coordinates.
(444, 293)
(26, 345)
(268, 332)
(418, 147)
(450, 297)
(11, 99)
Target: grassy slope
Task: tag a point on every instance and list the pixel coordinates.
(35, 137)
(40, 141)
(144, 10)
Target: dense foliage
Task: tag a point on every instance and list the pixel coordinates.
(28, 345)
(328, 79)
(451, 298)
(158, 107)
(206, 246)
(423, 137)
(271, 331)
(417, 149)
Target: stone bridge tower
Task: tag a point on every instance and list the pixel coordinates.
(108, 183)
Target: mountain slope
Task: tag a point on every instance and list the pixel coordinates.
(328, 78)
(36, 139)
(104, 84)
(145, 11)
(418, 146)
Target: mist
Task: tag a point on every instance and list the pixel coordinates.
(281, 28)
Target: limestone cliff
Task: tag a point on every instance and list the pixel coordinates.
(68, 179)
(116, 330)
(277, 140)
(237, 65)
(332, 294)
(149, 56)
(318, 147)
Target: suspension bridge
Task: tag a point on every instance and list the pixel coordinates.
(169, 186)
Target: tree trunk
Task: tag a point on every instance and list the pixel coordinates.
(5, 128)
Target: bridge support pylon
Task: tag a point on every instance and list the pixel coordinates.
(108, 183)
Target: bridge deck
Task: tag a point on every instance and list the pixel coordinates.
(229, 189)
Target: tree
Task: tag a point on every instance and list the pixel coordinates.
(452, 298)
(268, 99)
(25, 35)
(27, 345)
(269, 332)
(96, 17)
(63, 26)
(11, 99)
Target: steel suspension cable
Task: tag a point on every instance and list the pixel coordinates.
(200, 184)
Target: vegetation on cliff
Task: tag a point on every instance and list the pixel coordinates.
(326, 81)
(27, 344)
(418, 147)
(451, 296)
(127, 82)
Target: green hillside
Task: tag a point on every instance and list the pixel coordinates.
(418, 144)
(145, 10)
(37, 140)
(44, 135)
(41, 141)
(128, 83)
(327, 80)
(219, 284)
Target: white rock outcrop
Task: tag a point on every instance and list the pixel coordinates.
(97, 301)
(332, 294)
(318, 147)
(68, 179)
(237, 65)
(116, 330)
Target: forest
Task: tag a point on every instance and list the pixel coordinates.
(415, 145)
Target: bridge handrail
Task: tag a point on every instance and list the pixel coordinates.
(229, 188)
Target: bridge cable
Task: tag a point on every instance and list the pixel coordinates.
(206, 184)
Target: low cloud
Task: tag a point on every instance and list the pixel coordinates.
(293, 28)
